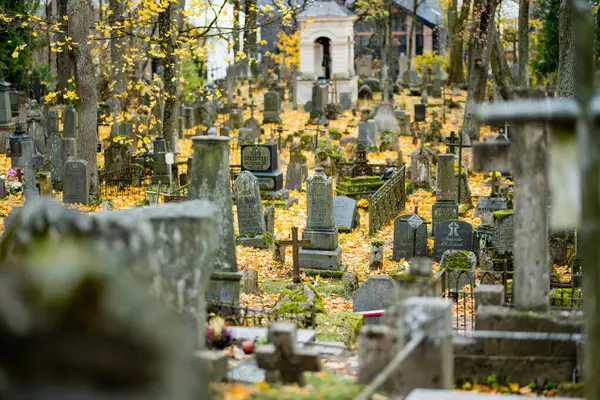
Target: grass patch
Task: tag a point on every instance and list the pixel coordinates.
(323, 385)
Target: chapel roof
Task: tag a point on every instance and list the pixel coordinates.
(325, 9)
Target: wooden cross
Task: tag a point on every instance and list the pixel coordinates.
(282, 359)
(296, 244)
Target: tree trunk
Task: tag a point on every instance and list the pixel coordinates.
(250, 36)
(117, 67)
(167, 34)
(501, 70)
(63, 60)
(236, 26)
(523, 43)
(456, 74)
(411, 32)
(566, 44)
(80, 21)
(478, 73)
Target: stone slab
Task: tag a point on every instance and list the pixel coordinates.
(248, 333)
(321, 259)
(257, 241)
(432, 394)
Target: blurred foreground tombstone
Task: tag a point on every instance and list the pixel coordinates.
(76, 320)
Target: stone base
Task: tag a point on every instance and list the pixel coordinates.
(321, 239)
(271, 117)
(6, 130)
(224, 287)
(344, 85)
(269, 181)
(321, 259)
(260, 242)
(285, 204)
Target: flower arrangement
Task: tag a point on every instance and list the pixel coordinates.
(217, 334)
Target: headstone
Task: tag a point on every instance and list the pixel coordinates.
(367, 134)
(2, 188)
(52, 123)
(251, 221)
(364, 66)
(403, 66)
(414, 85)
(447, 185)
(346, 100)
(250, 281)
(272, 108)
(54, 146)
(293, 177)
(247, 135)
(486, 207)
(460, 269)
(30, 162)
(324, 251)
(346, 213)
(263, 161)
(452, 235)
(160, 169)
(7, 126)
(385, 118)
(320, 98)
(365, 93)
(68, 151)
(210, 181)
(71, 123)
(235, 119)
(376, 293)
(420, 112)
(76, 182)
(420, 167)
(410, 237)
(503, 237)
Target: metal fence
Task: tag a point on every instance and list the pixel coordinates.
(243, 315)
(387, 201)
(129, 182)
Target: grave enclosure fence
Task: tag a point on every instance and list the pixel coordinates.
(387, 201)
(123, 183)
(245, 315)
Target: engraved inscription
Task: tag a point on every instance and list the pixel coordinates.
(256, 158)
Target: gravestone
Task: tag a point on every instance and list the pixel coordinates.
(160, 169)
(70, 122)
(293, 177)
(364, 66)
(346, 213)
(324, 251)
(29, 162)
(346, 100)
(436, 90)
(447, 189)
(367, 134)
(376, 293)
(2, 187)
(410, 237)
(210, 181)
(385, 118)
(68, 151)
(247, 135)
(272, 108)
(7, 126)
(446, 206)
(460, 269)
(263, 161)
(251, 221)
(414, 85)
(54, 147)
(452, 235)
(420, 167)
(76, 182)
(403, 66)
(420, 111)
(503, 237)
(52, 123)
(235, 119)
(486, 207)
(320, 98)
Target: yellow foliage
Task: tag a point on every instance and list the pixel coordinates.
(426, 60)
(289, 49)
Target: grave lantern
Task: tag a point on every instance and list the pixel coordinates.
(14, 148)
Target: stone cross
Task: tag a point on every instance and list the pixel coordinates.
(527, 156)
(252, 106)
(296, 244)
(38, 89)
(280, 357)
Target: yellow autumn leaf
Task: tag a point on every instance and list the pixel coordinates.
(514, 387)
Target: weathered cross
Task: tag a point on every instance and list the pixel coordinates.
(296, 244)
(252, 106)
(451, 142)
(38, 89)
(414, 222)
(282, 359)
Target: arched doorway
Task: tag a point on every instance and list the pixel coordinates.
(324, 56)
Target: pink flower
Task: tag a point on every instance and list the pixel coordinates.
(12, 172)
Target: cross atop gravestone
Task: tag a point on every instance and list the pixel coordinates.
(296, 244)
(38, 90)
(282, 359)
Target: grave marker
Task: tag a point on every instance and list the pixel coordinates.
(346, 213)
(410, 237)
(452, 235)
(76, 182)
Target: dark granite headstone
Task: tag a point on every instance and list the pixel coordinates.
(76, 182)
(452, 235)
(410, 237)
(376, 293)
(345, 212)
(263, 161)
(272, 108)
(420, 112)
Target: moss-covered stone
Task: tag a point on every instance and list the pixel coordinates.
(339, 327)
(458, 260)
(502, 214)
(299, 299)
(323, 273)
